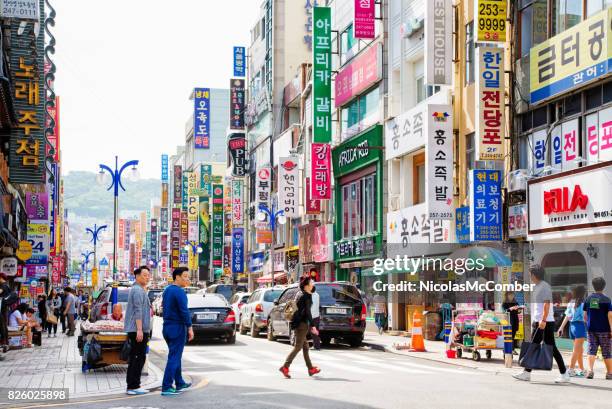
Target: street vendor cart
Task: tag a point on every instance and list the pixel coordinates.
(107, 337)
(476, 331)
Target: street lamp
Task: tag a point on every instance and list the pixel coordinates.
(194, 247)
(115, 182)
(95, 236)
(85, 263)
(273, 217)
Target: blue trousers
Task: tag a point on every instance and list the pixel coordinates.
(176, 337)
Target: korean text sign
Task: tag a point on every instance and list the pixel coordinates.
(462, 224)
(204, 231)
(37, 206)
(320, 166)
(490, 20)
(357, 76)
(321, 75)
(485, 205)
(571, 58)
(438, 42)
(178, 184)
(288, 186)
(201, 118)
(263, 186)
(412, 226)
(38, 236)
(164, 168)
(364, 19)
(237, 205)
(237, 104)
(439, 162)
(217, 226)
(239, 62)
(238, 250)
(490, 103)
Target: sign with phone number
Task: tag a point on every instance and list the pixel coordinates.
(490, 23)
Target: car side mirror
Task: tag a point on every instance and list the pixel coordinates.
(276, 302)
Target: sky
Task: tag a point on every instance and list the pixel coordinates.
(126, 68)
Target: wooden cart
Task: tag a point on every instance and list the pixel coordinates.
(111, 343)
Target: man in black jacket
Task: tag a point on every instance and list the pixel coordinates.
(302, 324)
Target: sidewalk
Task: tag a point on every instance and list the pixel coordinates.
(57, 364)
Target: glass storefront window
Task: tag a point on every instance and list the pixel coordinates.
(359, 207)
(567, 14)
(359, 114)
(533, 24)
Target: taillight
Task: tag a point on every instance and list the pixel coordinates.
(259, 308)
(231, 317)
(363, 312)
(104, 310)
(240, 305)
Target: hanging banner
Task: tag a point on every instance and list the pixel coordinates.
(485, 205)
(238, 250)
(517, 221)
(201, 118)
(364, 19)
(439, 42)
(359, 75)
(164, 168)
(237, 205)
(178, 184)
(236, 145)
(462, 224)
(185, 193)
(175, 237)
(217, 226)
(237, 104)
(490, 20)
(121, 234)
(288, 186)
(206, 178)
(313, 206)
(38, 237)
(320, 167)
(204, 231)
(439, 163)
(263, 184)
(490, 103)
(239, 62)
(37, 206)
(321, 75)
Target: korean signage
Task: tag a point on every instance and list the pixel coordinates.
(537, 158)
(359, 75)
(8, 266)
(178, 184)
(239, 62)
(490, 20)
(406, 132)
(204, 231)
(175, 237)
(164, 168)
(163, 244)
(364, 19)
(52, 121)
(206, 178)
(572, 58)
(163, 219)
(154, 243)
(320, 167)
(517, 221)
(439, 162)
(439, 42)
(490, 103)
(238, 250)
(121, 234)
(599, 136)
(217, 226)
(236, 145)
(201, 118)
(313, 206)
(19, 9)
(315, 243)
(358, 152)
(185, 186)
(356, 247)
(237, 204)
(288, 186)
(192, 197)
(263, 185)
(263, 236)
(485, 205)
(164, 195)
(237, 104)
(37, 206)
(184, 229)
(38, 237)
(570, 144)
(412, 226)
(462, 224)
(321, 75)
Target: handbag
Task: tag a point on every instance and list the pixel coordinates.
(536, 356)
(126, 349)
(52, 319)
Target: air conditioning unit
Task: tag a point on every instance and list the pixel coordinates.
(517, 180)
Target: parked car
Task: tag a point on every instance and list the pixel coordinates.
(255, 312)
(227, 290)
(101, 307)
(212, 317)
(237, 301)
(343, 313)
(191, 290)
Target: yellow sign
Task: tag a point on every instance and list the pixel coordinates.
(24, 251)
(24, 292)
(490, 22)
(517, 267)
(572, 58)
(38, 228)
(94, 277)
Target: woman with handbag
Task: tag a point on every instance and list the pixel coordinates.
(54, 303)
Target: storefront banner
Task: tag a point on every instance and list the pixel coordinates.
(178, 184)
(517, 221)
(206, 178)
(356, 247)
(154, 243)
(490, 20)
(485, 205)
(121, 234)
(572, 58)
(263, 185)
(38, 236)
(439, 42)
(321, 75)
(238, 250)
(462, 224)
(217, 226)
(263, 236)
(439, 162)
(164, 168)
(313, 206)
(236, 145)
(175, 237)
(358, 152)
(364, 19)
(237, 104)
(320, 167)
(406, 132)
(359, 75)
(204, 231)
(490, 125)
(572, 203)
(599, 136)
(288, 186)
(201, 118)
(412, 226)
(239, 61)
(237, 204)
(537, 153)
(37, 206)
(22, 10)
(570, 144)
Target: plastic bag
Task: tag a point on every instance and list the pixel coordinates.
(94, 353)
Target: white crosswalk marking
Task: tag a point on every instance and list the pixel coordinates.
(391, 367)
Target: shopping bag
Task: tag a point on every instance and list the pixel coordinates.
(94, 353)
(52, 319)
(126, 349)
(536, 356)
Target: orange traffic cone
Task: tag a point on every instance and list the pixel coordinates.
(418, 343)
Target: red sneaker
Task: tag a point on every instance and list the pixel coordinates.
(285, 371)
(313, 371)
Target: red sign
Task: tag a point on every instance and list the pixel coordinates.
(264, 236)
(320, 171)
(364, 19)
(559, 200)
(121, 231)
(359, 75)
(176, 237)
(56, 269)
(313, 206)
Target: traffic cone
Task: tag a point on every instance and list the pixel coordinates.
(418, 343)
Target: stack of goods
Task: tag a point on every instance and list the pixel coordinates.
(488, 330)
(103, 326)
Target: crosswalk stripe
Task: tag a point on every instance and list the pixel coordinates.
(380, 365)
(357, 357)
(232, 355)
(436, 368)
(349, 368)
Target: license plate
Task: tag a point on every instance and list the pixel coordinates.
(337, 311)
(207, 316)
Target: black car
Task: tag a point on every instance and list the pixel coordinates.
(342, 312)
(211, 317)
(226, 290)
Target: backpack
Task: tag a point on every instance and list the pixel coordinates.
(291, 307)
(10, 299)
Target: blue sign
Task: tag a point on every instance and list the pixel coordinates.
(238, 250)
(462, 224)
(164, 175)
(256, 262)
(183, 257)
(104, 262)
(239, 62)
(485, 205)
(201, 118)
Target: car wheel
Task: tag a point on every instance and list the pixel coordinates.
(243, 330)
(325, 341)
(254, 330)
(232, 339)
(271, 336)
(355, 342)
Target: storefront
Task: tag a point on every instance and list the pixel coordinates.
(316, 251)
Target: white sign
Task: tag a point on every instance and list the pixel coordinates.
(8, 266)
(517, 221)
(20, 9)
(412, 226)
(599, 136)
(490, 125)
(288, 186)
(537, 158)
(192, 231)
(438, 42)
(262, 187)
(569, 144)
(439, 162)
(556, 155)
(406, 132)
(575, 203)
(237, 205)
(38, 236)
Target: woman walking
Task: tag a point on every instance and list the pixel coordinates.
(512, 308)
(574, 314)
(54, 303)
(302, 323)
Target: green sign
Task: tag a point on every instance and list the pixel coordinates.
(358, 152)
(217, 225)
(321, 75)
(204, 231)
(206, 178)
(185, 189)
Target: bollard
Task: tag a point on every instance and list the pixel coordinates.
(447, 331)
(508, 347)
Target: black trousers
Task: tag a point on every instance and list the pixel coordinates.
(548, 335)
(62, 319)
(137, 360)
(316, 340)
(4, 327)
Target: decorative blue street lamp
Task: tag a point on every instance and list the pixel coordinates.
(95, 236)
(273, 216)
(195, 248)
(85, 263)
(115, 182)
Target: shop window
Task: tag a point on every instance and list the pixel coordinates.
(425, 91)
(526, 122)
(595, 6)
(566, 14)
(359, 206)
(533, 22)
(607, 92)
(572, 105)
(593, 98)
(524, 152)
(469, 53)
(359, 114)
(418, 178)
(348, 45)
(540, 116)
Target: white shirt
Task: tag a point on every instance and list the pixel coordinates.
(14, 319)
(541, 293)
(314, 310)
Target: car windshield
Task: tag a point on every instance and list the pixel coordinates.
(244, 298)
(272, 295)
(122, 295)
(337, 293)
(225, 290)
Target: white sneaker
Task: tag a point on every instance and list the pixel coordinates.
(563, 378)
(523, 376)
(139, 391)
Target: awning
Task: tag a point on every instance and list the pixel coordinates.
(267, 278)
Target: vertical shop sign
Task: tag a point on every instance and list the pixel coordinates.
(485, 205)
(239, 62)
(236, 145)
(217, 226)
(52, 121)
(490, 103)
(201, 118)
(439, 42)
(238, 250)
(490, 20)
(163, 219)
(237, 205)
(206, 178)
(37, 206)
(164, 168)
(364, 19)
(175, 238)
(178, 184)
(38, 237)
(321, 75)
(569, 144)
(185, 193)
(439, 163)
(288, 186)
(320, 166)
(154, 242)
(237, 104)
(313, 206)
(462, 224)
(263, 186)
(517, 221)
(204, 231)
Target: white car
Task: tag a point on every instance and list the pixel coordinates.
(255, 312)
(236, 302)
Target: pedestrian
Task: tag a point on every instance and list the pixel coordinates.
(42, 310)
(380, 312)
(177, 331)
(598, 316)
(6, 296)
(69, 312)
(543, 323)
(301, 323)
(574, 314)
(62, 317)
(315, 312)
(512, 308)
(54, 304)
(137, 325)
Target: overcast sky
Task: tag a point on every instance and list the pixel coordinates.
(125, 70)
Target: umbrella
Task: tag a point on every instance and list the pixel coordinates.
(491, 257)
